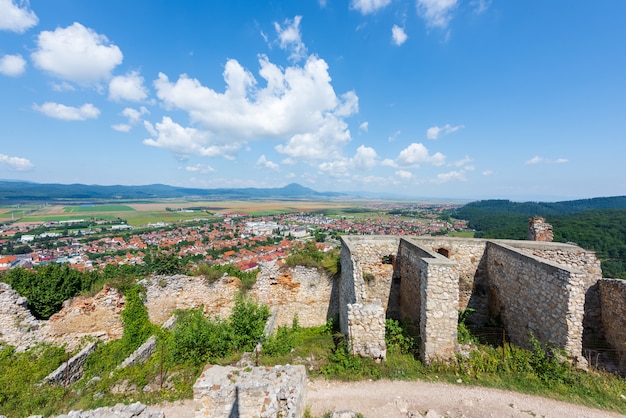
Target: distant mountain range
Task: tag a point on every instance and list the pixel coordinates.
(20, 191)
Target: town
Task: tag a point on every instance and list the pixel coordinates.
(236, 238)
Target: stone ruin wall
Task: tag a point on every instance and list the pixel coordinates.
(470, 257)
(519, 283)
(429, 297)
(538, 297)
(613, 298)
(363, 305)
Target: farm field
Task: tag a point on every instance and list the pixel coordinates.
(140, 213)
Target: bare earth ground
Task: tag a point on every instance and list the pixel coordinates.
(395, 399)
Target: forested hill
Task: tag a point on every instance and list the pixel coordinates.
(597, 224)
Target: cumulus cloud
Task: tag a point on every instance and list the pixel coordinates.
(16, 163)
(265, 163)
(128, 87)
(435, 131)
(416, 154)
(12, 65)
(450, 176)
(368, 6)
(436, 13)
(133, 116)
(290, 38)
(398, 35)
(405, 175)
(365, 158)
(183, 142)
(200, 168)
(16, 16)
(60, 111)
(297, 103)
(540, 160)
(364, 127)
(462, 161)
(76, 54)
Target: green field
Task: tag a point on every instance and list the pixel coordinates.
(97, 208)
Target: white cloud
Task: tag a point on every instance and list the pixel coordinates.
(16, 16)
(540, 160)
(450, 176)
(297, 103)
(387, 162)
(265, 163)
(128, 87)
(76, 54)
(487, 173)
(16, 163)
(398, 35)
(405, 175)
(183, 142)
(364, 126)
(135, 115)
(365, 158)
(435, 131)
(368, 6)
(290, 38)
(12, 65)
(480, 5)
(200, 168)
(60, 111)
(437, 13)
(462, 161)
(122, 127)
(394, 136)
(416, 154)
(63, 86)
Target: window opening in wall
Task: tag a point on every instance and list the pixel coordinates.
(444, 252)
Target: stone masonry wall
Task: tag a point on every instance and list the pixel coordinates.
(538, 297)
(577, 258)
(72, 370)
(613, 297)
(471, 260)
(264, 392)
(363, 306)
(16, 321)
(301, 291)
(367, 329)
(409, 262)
(439, 301)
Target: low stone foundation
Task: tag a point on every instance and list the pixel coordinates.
(250, 392)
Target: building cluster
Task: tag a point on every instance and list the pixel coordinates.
(235, 238)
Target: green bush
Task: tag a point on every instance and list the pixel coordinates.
(196, 339)
(398, 339)
(212, 273)
(248, 322)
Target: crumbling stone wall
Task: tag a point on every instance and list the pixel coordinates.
(367, 329)
(431, 280)
(305, 292)
(16, 322)
(471, 263)
(538, 297)
(223, 392)
(613, 297)
(72, 370)
(539, 230)
(359, 301)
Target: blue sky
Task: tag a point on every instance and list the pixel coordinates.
(469, 99)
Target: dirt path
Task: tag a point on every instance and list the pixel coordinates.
(398, 399)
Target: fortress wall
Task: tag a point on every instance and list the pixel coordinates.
(439, 294)
(470, 257)
(363, 306)
(539, 297)
(305, 292)
(410, 264)
(613, 297)
(576, 258)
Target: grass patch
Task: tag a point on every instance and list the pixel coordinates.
(96, 208)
